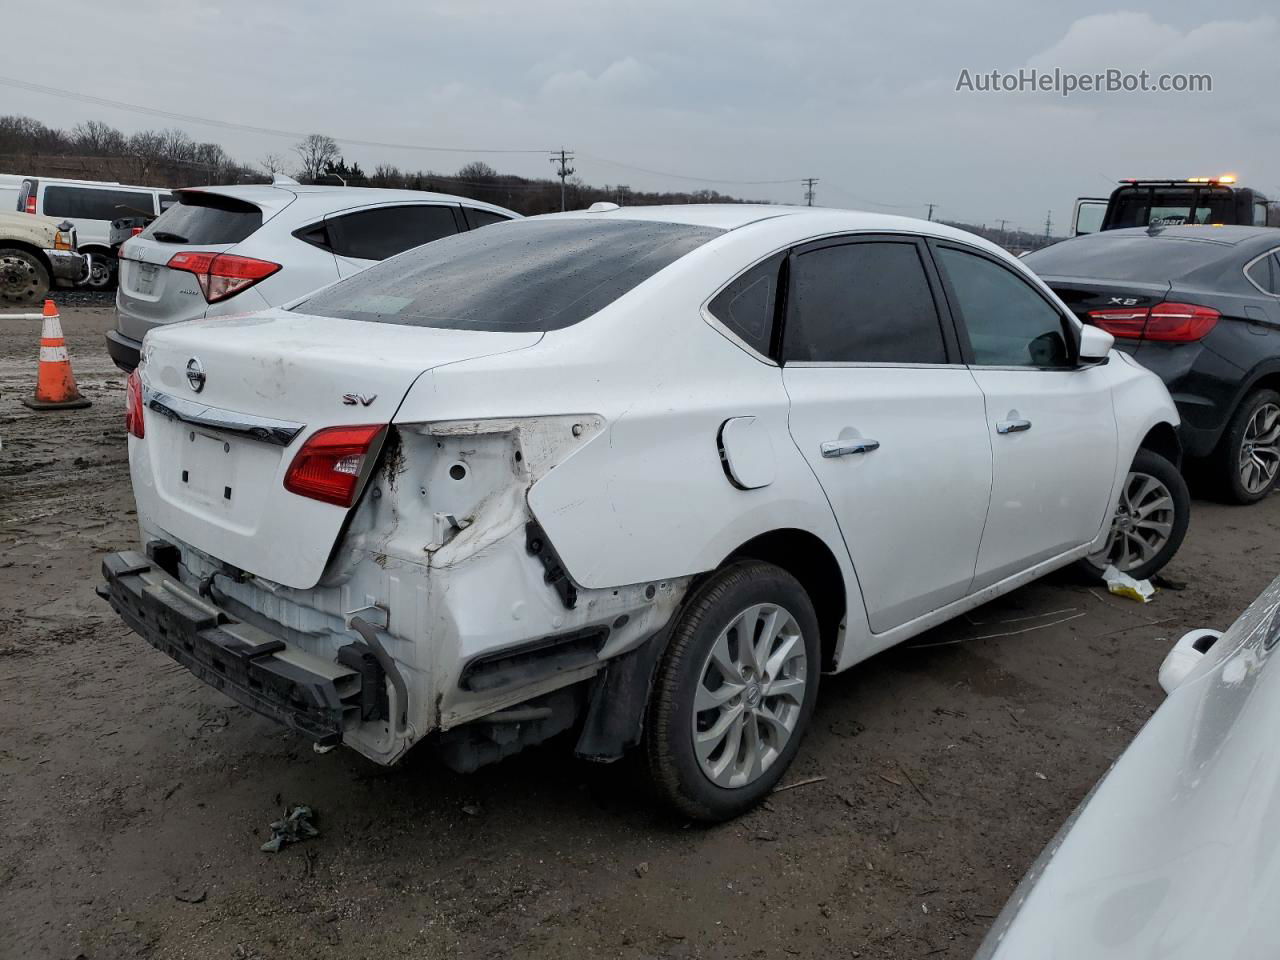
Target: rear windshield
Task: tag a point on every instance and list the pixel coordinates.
(1106, 256)
(1171, 206)
(519, 276)
(205, 218)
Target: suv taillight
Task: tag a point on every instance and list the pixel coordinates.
(1170, 322)
(133, 405)
(332, 462)
(31, 202)
(222, 275)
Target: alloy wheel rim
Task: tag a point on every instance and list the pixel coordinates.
(1141, 526)
(1260, 449)
(749, 695)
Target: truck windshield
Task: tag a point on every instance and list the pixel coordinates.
(1141, 206)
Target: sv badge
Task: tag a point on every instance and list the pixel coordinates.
(351, 399)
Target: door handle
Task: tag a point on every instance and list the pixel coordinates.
(842, 448)
(1012, 426)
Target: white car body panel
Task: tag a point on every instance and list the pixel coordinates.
(605, 434)
(1172, 855)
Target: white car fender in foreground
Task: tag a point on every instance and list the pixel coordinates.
(1173, 854)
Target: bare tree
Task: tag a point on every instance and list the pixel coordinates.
(317, 152)
(97, 139)
(273, 163)
(477, 171)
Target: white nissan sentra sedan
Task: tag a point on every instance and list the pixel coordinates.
(644, 474)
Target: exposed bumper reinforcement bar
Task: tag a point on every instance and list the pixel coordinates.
(311, 695)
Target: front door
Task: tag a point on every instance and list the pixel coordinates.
(892, 425)
(1051, 423)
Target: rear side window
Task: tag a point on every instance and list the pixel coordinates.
(1265, 273)
(530, 275)
(747, 305)
(91, 203)
(866, 302)
(482, 218)
(385, 231)
(205, 218)
(1009, 323)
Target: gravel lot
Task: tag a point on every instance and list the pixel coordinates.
(133, 798)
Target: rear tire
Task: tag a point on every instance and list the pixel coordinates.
(1248, 456)
(1149, 522)
(726, 717)
(24, 279)
(103, 275)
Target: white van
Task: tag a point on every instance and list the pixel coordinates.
(10, 184)
(91, 205)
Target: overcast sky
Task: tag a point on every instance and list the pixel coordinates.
(861, 95)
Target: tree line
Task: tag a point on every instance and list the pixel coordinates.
(94, 150)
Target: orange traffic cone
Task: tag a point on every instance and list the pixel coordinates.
(55, 384)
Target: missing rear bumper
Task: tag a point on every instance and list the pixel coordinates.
(304, 692)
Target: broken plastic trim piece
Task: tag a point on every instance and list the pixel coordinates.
(536, 542)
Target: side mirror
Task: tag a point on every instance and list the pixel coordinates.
(1185, 657)
(1095, 344)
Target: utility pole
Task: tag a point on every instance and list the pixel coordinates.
(931, 206)
(1048, 225)
(623, 190)
(565, 171)
(1003, 221)
(808, 189)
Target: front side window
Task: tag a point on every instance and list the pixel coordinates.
(91, 203)
(1009, 323)
(385, 231)
(863, 302)
(530, 275)
(746, 306)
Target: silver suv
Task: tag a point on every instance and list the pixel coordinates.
(223, 250)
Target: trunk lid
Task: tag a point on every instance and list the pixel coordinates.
(211, 472)
(1082, 295)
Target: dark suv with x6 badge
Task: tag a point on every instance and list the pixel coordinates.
(1200, 307)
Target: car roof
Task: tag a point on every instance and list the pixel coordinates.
(1229, 234)
(272, 198)
(794, 220)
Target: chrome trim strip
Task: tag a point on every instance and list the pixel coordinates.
(265, 429)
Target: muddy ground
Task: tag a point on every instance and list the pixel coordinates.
(133, 799)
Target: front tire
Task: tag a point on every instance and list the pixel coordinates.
(1247, 460)
(734, 692)
(102, 275)
(24, 279)
(1149, 522)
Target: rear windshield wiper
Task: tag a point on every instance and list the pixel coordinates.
(164, 236)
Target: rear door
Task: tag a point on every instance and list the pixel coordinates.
(1051, 423)
(361, 238)
(890, 420)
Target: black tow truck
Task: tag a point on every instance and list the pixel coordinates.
(1208, 201)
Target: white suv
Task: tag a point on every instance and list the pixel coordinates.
(222, 250)
(644, 473)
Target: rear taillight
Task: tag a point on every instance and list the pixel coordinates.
(133, 405)
(1170, 322)
(31, 203)
(332, 462)
(222, 275)
(1182, 322)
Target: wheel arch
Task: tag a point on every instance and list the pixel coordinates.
(1162, 439)
(809, 559)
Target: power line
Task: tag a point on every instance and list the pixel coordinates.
(246, 127)
(681, 176)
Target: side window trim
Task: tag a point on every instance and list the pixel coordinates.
(952, 346)
(1069, 328)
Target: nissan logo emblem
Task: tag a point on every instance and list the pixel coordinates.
(195, 374)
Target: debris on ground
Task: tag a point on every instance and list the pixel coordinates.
(798, 783)
(296, 826)
(1168, 583)
(1123, 585)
